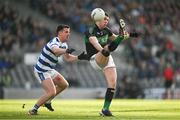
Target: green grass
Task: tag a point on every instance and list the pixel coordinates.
(89, 110)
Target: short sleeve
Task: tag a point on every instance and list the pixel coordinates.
(90, 32)
(64, 46)
(52, 43)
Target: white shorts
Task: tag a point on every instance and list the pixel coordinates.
(97, 67)
(44, 75)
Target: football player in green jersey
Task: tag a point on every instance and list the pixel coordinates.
(100, 41)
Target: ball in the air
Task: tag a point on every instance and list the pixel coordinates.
(97, 14)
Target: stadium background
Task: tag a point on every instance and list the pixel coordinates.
(26, 25)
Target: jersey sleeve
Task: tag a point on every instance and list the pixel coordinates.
(53, 43)
(90, 32)
(64, 46)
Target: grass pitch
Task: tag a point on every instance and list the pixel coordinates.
(89, 110)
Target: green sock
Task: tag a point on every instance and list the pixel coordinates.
(119, 39)
(108, 98)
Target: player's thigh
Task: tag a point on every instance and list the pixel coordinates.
(49, 86)
(98, 61)
(58, 79)
(41, 76)
(101, 59)
(45, 79)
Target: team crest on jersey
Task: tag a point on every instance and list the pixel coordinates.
(103, 39)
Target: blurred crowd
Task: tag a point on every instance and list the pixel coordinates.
(163, 14)
(148, 54)
(18, 35)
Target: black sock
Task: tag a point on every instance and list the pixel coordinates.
(113, 45)
(108, 97)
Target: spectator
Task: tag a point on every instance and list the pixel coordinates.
(168, 75)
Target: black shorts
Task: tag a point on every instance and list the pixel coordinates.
(168, 83)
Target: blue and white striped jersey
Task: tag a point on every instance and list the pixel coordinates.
(47, 59)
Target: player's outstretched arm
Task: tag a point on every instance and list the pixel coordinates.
(68, 55)
(73, 58)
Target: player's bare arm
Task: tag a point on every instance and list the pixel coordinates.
(58, 51)
(70, 57)
(93, 40)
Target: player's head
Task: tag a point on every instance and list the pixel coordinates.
(63, 32)
(104, 22)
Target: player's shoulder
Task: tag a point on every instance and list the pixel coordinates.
(55, 40)
(91, 28)
(64, 45)
(109, 31)
(107, 28)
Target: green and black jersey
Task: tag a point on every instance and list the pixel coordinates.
(102, 36)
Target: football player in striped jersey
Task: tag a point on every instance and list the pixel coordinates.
(51, 80)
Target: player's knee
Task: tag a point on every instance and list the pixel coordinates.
(66, 85)
(105, 53)
(52, 93)
(112, 83)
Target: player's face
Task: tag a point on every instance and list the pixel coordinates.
(64, 34)
(104, 22)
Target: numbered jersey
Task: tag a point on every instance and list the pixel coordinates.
(47, 59)
(102, 36)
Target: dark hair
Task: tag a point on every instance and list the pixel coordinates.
(61, 27)
(106, 14)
